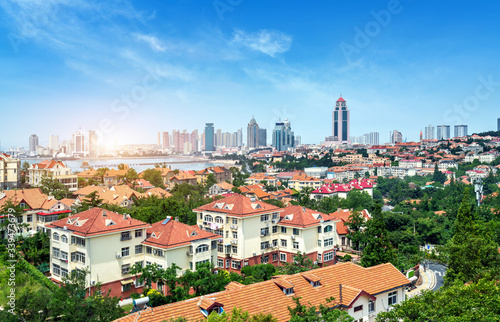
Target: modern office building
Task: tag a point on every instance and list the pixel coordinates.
(54, 142)
(33, 143)
(253, 134)
(262, 137)
(429, 132)
(373, 138)
(396, 137)
(79, 143)
(239, 137)
(460, 131)
(498, 124)
(443, 132)
(209, 137)
(283, 137)
(341, 122)
(92, 143)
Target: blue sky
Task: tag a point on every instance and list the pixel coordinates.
(132, 68)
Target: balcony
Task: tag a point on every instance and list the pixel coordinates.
(125, 237)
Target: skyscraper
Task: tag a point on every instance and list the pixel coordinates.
(79, 142)
(253, 134)
(239, 138)
(498, 124)
(54, 142)
(341, 122)
(218, 138)
(92, 143)
(373, 138)
(443, 132)
(166, 140)
(33, 142)
(396, 137)
(460, 131)
(283, 137)
(158, 139)
(209, 137)
(429, 132)
(262, 137)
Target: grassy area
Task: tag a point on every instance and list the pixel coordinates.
(128, 307)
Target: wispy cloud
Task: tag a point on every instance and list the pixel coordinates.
(266, 41)
(152, 41)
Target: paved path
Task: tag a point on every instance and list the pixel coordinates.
(428, 282)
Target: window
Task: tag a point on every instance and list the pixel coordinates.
(126, 287)
(283, 243)
(126, 236)
(55, 252)
(64, 272)
(275, 216)
(235, 264)
(319, 243)
(282, 257)
(288, 291)
(77, 240)
(214, 244)
(138, 283)
(264, 231)
(296, 231)
(275, 243)
(319, 230)
(202, 248)
(149, 250)
(264, 245)
(358, 308)
(138, 233)
(283, 230)
(55, 236)
(148, 263)
(343, 241)
(264, 217)
(264, 259)
(78, 257)
(159, 253)
(315, 284)
(319, 257)
(235, 249)
(125, 251)
(275, 257)
(125, 269)
(219, 232)
(220, 248)
(227, 233)
(64, 255)
(295, 245)
(328, 242)
(138, 249)
(209, 218)
(56, 269)
(220, 262)
(64, 239)
(29, 218)
(219, 220)
(141, 263)
(235, 235)
(235, 221)
(275, 229)
(371, 306)
(228, 263)
(328, 256)
(393, 298)
(201, 216)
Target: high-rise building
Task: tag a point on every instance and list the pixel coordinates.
(498, 124)
(460, 131)
(194, 141)
(92, 143)
(283, 137)
(166, 140)
(239, 137)
(443, 132)
(158, 139)
(253, 134)
(298, 140)
(396, 137)
(373, 138)
(33, 143)
(341, 122)
(209, 137)
(54, 142)
(79, 142)
(429, 132)
(262, 137)
(218, 138)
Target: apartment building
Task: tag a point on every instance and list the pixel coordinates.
(56, 170)
(395, 172)
(221, 174)
(257, 178)
(10, 172)
(301, 180)
(410, 163)
(342, 190)
(361, 292)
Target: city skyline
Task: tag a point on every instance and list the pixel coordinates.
(111, 67)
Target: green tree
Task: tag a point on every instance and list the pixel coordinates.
(378, 248)
(100, 173)
(54, 187)
(300, 263)
(91, 200)
(356, 224)
(238, 315)
(303, 313)
(154, 177)
(210, 181)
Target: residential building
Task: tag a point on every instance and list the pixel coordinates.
(316, 172)
(399, 172)
(166, 140)
(343, 228)
(283, 137)
(443, 132)
(239, 138)
(56, 170)
(256, 178)
(33, 143)
(183, 177)
(341, 122)
(359, 291)
(79, 143)
(54, 142)
(104, 242)
(460, 131)
(10, 172)
(301, 180)
(221, 174)
(410, 163)
(373, 138)
(429, 132)
(253, 134)
(342, 190)
(220, 189)
(298, 140)
(209, 137)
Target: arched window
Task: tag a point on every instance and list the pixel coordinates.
(202, 248)
(219, 220)
(55, 236)
(64, 239)
(209, 218)
(328, 228)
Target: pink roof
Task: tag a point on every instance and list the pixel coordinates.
(341, 99)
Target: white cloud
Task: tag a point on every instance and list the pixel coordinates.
(152, 41)
(266, 41)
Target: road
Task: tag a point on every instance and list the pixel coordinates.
(439, 270)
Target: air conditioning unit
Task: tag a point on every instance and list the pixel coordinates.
(118, 255)
(254, 254)
(92, 282)
(274, 221)
(155, 251)
(315, 262)
(293, 237)
(220, 240)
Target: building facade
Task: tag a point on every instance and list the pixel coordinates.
(396, 137)
(429, 132)
(33, 143)
(341, 122)
(283, 136)
(209, 137)
(443, 132)
(56, 170)
(10, 172)
(252, 134)
(460, 131)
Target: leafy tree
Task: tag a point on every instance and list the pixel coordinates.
(209, 182)
(300, 263)
(378, 248)
(91, 200)
(438, 176)
(356, 224)
(122, 166)
(100, 173)
(275, 202)
(302, 313)
(129, 177)
(54, 187)
(154, 177)
(238, 315)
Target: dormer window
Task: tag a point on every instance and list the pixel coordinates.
(288, 291)
(315, 284)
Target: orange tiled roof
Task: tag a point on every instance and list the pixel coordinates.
(34, 198)
(97, 221)
(238, 205)
(48, 164)
(268, 297)
(298, 216)
(175, 234)
(343, 215)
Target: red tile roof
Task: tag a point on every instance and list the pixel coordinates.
(171, 233)
(97, 221)
(238, 205)
(298, 216)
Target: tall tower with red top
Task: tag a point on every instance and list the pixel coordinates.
(341, 122)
